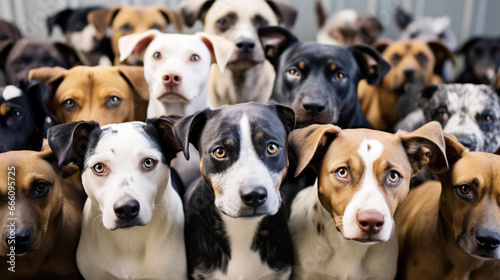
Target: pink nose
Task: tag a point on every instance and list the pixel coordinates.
(172, 78)
(370, 221)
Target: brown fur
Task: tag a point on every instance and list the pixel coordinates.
(379, 103)
(54, 220)
(91, 89)
(434, 216)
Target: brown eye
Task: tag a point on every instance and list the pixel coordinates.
(465, 191)
(422, 58)
(293, 72)
(219, 153)
(395, 58)
(222, 24)
(342, 173)
(157, 55)
(69, 104)
(339, 76)
(149, 163)
(41, 188)
(272, 148)
(487, 118)
(194, 57)
(114, 101)
(393, 178)
(16, 114)
(99, 169)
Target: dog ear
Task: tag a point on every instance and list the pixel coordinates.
(102, 19)
(5, 48)
(163, 129)
(307, 144)
(52, 76)
(381, 45)
(370, 28)
(188, 130)
(429, 91)
(275, 40)
(425, 147)
(373, 67)
(402, 18)
(71, 141)
(39, 96)
(454, 149)
(220, 49)
(60, 19)
(173, 18)
(69, 54)
(285, 13)
(286, 115)
(321, 14)
(194, 10)
(134, 75)
(66, 170)
(467, 45)
(441, 51)
(136, 43)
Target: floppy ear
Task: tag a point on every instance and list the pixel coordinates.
(52, 76)
(194, 10)
(173, 18)
(467, 45)
(188, 129)
(136, 43)
(134, 75)
(220, 49)
(69, 54)
(5, 48)
(275, 40)
(381, 45)
(65, 170)
(402, 18)
(39, 96)
(285, 13)
(286, 115)
(71, 141)
(454, 149)
(441, 51)
(307, 144)
(60, 19)
(163, 129)
(373, 67)
(425, 147)
(429, 91)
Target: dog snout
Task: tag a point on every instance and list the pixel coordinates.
(370, 221)
(467, 142)
(172, 78)
(22, 240)
(245, 45)
(256, 197)
(313, 104)
(409, 73)
(127, 210)
(487, 240)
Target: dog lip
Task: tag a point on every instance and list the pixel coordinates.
(172, 96)
(128, 225)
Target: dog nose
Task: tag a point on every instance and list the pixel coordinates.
(487, 240)
(245, 45)
(172, 78)
(127, 210)
(467, 142)
(409, 73)
(370, 221)
(94, 38)
(254, 198)
(315, 105)
(23, 237)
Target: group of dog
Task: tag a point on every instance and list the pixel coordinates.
(241, 152)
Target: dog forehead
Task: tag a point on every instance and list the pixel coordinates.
(124, 133)
(406, 47)
(317, 54)
(244, 9)
(10, 92)
(169, 45)
(480, 167)
(467, 98)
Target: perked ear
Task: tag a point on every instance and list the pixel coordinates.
(173, 18)
(373, 67)
(275, 40)
(136, 43)
(70, 141)
(467, 45)
(52, 76)
(5, 48)
(59, 19)
(188, 130)
(286, 115)
(425, 147)
(441, 51)
(69, 54)
(321, 14)
(285, 13)
(308, 144)
(163, 125)
(134, 75)
(381, 45)
(193, 10)
(454, 149)
(402, 18)
(220, 49)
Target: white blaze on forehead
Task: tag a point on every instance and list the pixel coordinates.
(11, 92)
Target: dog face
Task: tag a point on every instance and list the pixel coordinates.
(319, 81)
(363, 175)
(238, 21)
(22, 114)
(24, 55)
(38, 198)
(173, 73)
(103, 94)
(482, 58)
(243, 154)
(469, 112)
(125, 167)
(469, 200)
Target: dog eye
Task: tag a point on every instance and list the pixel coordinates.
(126, 28)
(393, 178)
(293, 73)
(342, 173)
(272, 148)
(16, 114)
(222, 24)
(156, 26)
(487, 118)
(69, 104)
(443, 114)
(40, 188)
(414, 35)
(194, 57)
(441, 35)
(260, 21)
(395, 58)
(339, 76)
(465, 191)
(19, 63)
(219, 152)
(99, 169)
(157, 55)
(422, 58)
(114, 101)
(149, 163)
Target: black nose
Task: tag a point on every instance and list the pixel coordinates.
(314, 105)
(409, 73)
(127, 210)
(245, 45)
(467, 142)
(94, 38)
(254, 198)
(487, 240)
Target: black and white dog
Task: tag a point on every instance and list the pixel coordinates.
(23, 116)
(235, 225)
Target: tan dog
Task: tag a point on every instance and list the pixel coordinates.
(248, 75)
(411, 62)
(44, 235)
(103, 94)
(451, 230)
(125, 20)
(343, 226)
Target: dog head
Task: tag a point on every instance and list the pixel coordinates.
(363, 175)
(412, 61)
(36, 194)
(103, 94)
(469, 112)
(238, 21)
(482, 58)
(469, 200)
(125, 167)
(9, 31)
(173, 73)
(318, 81)
(23, 111)
(125, 20)
(243, 154)
(17, 59)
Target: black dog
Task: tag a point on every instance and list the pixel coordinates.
(83, 36)
(320, 81)
(482, 59)
(23, 114)
(236, 227)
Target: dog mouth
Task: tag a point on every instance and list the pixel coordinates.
(170, 95)
(366, 240)
(244, 60)
(246, 215)
(127, 225)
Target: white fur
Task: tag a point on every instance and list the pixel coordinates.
(83, 40)
(10, 92)
(151, 251)
(345, 17)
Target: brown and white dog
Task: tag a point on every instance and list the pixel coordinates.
(451, 229)
(342, 227)
(42, 236)
(411, 61)
(125, 20)
(103, 94)
(248, 75)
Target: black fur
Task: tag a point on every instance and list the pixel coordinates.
(482, 54)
